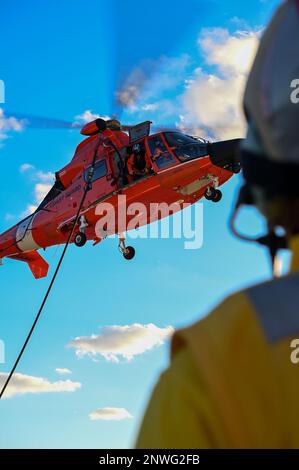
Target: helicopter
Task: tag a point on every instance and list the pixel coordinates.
(173, 167)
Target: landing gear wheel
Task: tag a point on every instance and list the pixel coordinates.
(129, 252)
(212, 194)
(80, 239)
(218, 196)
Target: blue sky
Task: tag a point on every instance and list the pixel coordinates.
(60, 59)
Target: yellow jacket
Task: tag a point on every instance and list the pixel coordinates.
(231, 382)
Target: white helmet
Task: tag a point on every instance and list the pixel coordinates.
(270, 152)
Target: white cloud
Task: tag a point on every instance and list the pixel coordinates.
(8, 124)
(21, 384)
(47, 177)
(41, 189)
(88, 116)
(26, 167)
(30, 209)
(231, 53)
(129, 92)
(208, 98)
(152, 79)
(110, 414)
(63, 371)
(121, 341)
(213, 101)
(150, 107)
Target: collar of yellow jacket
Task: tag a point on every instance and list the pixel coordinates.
(294, 247)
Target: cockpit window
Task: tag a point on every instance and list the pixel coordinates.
(177, 138)
(186, 147)
(159, 152)
(100, 170)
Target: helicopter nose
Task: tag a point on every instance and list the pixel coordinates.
(226, 154)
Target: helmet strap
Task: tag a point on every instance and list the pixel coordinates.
(271, 240)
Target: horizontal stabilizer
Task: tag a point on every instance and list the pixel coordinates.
(38, 266)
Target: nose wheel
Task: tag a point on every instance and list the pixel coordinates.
(128, 252)
(80, 237)
(213, 194)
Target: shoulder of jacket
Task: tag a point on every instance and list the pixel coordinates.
(272, 304)
(220, 318)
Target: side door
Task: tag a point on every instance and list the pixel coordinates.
(160, 154)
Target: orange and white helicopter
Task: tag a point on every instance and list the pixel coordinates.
(167, 166)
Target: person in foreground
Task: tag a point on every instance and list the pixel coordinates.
(231, 382)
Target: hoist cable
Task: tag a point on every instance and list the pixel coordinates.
(86, 189)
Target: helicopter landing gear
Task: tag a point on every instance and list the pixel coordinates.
(213, 194)
(80, 237)
(128, 252)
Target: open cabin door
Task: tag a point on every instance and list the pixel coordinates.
(139, 132)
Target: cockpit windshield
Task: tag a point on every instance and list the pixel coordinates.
(186, 147)
(175, 139)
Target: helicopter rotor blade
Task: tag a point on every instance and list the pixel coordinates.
(40, 122)
(158, 128)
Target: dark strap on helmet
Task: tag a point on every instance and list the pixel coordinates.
(275, 177)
